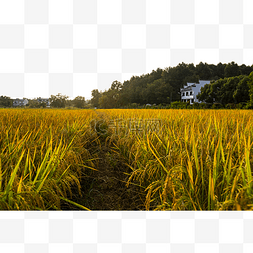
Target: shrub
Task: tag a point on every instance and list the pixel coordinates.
(217, 106)
(178, 105)
(230, 106)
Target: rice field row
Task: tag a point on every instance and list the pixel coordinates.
(41, 157)
(200, 160)
(181, 159)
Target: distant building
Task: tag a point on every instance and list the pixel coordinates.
(44, 100)
(191, 90)
(20, 102)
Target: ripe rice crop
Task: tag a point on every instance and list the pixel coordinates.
(41, 157)
(192, 160)
(198, 160)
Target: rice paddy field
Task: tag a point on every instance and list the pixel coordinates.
(126, 159)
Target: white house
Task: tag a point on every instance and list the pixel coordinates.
(44, 100)
(20, 102)
(191, 90)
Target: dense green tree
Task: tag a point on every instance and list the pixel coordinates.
(232, 69)
(58, 101)
(205, 94)
(226, 91)
(204, 71)
(151, 93)
(192, 79)
(79, 102)
(105, 101)
(250, 84)
(112, 97)
(33, 103)
(176, 77)
(163, 86)
(241, 94)
(108, 100)
(116, 85)
(219, 73)
(96, 95)
(5, 101)
(246, 70)
(158, 92)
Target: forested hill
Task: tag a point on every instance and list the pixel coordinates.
(162, 86)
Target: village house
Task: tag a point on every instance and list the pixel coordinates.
(44, 100)
(191, 90)
(20, 102)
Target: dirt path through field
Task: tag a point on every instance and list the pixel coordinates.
(105, 189)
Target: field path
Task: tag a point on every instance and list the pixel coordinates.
(105, 189)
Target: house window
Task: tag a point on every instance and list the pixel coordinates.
(192, 100)
(191, 93)
(187, 93)
(183, 93)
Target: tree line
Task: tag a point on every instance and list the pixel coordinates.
(55, 101)
(231, 84)
(162, 86)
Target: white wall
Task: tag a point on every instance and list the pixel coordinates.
(196, 90)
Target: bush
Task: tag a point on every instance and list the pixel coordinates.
(243, 105)
(230, 106)
(208, 105)
(217, 106)
(178, 105)
(134, 105)
(249, 105)
(196, 106)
